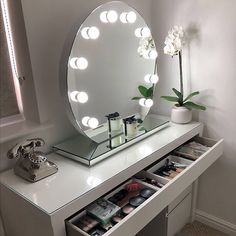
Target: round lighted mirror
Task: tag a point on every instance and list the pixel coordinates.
(112, 55)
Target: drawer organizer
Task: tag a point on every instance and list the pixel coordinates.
(164, 189)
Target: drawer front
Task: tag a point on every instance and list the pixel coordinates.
(142, 215)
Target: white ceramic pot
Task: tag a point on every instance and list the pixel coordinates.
(181, 115)
(144, 111)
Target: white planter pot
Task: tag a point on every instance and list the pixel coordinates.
(181, 115)
(143, 111)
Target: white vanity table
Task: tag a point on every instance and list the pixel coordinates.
(41, 208)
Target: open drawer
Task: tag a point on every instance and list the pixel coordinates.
(142, 215)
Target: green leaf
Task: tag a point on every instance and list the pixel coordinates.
(150, 92)
(179, 94)
(192, 105)
(170, 98)
(136, 98)
(143, 90)
(191, 95)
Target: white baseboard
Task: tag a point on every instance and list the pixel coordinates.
(215, 222)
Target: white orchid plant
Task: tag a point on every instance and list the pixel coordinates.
(173, 47)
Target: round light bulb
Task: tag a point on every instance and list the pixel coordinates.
(93, 32)
(72, 63)
(154, 79)
(142, 102)
(131, 17)
(93, 123)
(84, 33)
(153, 54)
(82, 97)
(82, 63)
(123, 17)
(103, 17)
(112, 16)
(145, 32)
(85, 120)
(148, 102)
(137, 32)
(73, 96)
(147, 78)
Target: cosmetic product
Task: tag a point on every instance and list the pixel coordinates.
(146, 192)
(114, 122)
(154, 182)
(116, 219)
(125, 200)
(127, 209)
(107, 226)
(118, 196)
(103, 210)
(97, 232)
(188, 152)
(136, 201)
(132, 187)
(130, 126)
(86, 223)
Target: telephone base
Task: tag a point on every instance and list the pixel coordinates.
(33, 175)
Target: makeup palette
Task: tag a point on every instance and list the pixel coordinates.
(146, 192)
(136, 201)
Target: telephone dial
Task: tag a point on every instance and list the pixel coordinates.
(31, 165)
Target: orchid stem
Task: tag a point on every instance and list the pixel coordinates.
(181, 73)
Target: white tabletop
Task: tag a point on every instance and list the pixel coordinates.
(74, 179)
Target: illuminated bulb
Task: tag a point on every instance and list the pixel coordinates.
(128, 17)
(153, 79)
(142, 32)
(108, 16)
(90, 122)
(81, 97)
(103, 17)
(153, 54)
(85, 121)
(112, 16)
(148, 102)
(145, 102)
(131, 17)
(84, 32)
(90, 32)
(79, 63)
(123, 17)
(93, 123)
(142, 102)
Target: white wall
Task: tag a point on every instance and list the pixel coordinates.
(209, 65)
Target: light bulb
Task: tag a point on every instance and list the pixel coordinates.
(82, 97)
(84, 32)
(153, 54)
(151, 78)
(93, 123)
(93, 32)
(78, 63)
(142, 102)
(103, 17)
(142, 32)
(148, 102)
(112, 16)
(85, 120)
(90, 122)
(131, 17)
(123, 17)
(90, 32)
(128, 17)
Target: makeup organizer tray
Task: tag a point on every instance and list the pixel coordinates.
(135, 193)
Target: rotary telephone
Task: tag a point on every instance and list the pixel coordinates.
(31, 165)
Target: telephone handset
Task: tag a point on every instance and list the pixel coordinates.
(31, 165)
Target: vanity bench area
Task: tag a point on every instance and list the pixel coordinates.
(51, 206)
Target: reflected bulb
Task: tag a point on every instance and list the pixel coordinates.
(131, 17)
(84, 32)
(151, 78)
(153, 54)
(93, 123)
(142, 102)
(112, 16)
(78, 63)
(93, 32)
(142, 32)
(123, 17)
(85, 121)
(103, 17)
(148, 102)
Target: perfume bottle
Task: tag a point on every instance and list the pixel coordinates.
(130, 124)
(114, 122)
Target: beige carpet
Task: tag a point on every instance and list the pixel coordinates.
(198, 229)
